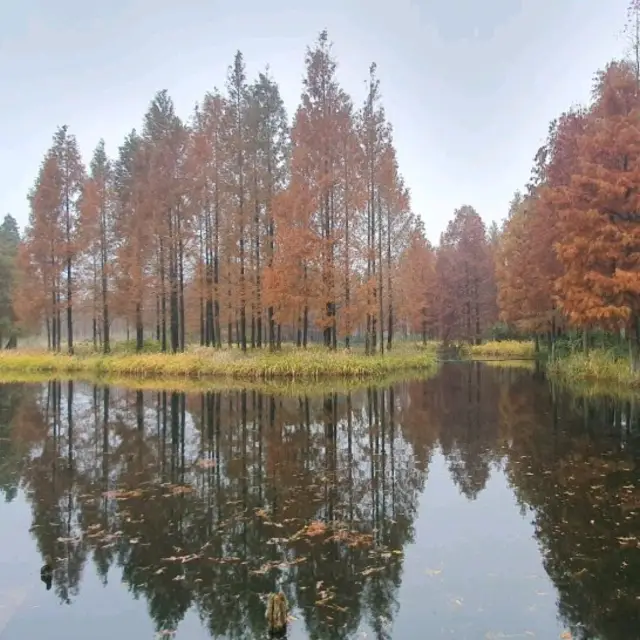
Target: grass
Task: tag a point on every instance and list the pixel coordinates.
(505, 349)
(201, 363)
(526, 365)
(281, 387)
(602, 367)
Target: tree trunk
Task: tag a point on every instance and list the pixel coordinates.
(139, 329)
(181, 291)
(106, 345)
(163, 300)
(380, 276)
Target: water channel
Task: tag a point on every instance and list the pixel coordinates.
(483, 503)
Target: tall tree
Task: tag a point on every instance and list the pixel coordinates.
(238, 103)
(374, 133)
(269, 132)
(468, 277)
(41, 258)
(9, 241)
(71, 174)
(599, 243)
(164, 136)
(316, 159)
(133, 236)
(417, 285)
(96, 231)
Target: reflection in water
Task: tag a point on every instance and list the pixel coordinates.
(209, 502)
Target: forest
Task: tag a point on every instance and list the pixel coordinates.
(237, 227)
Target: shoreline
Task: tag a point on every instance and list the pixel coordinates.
(598, 368)
(280, 387)
(304, 371)
(216, 368)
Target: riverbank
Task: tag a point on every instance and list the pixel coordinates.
(504, 349)
(226, 364)
(277, 387)
(598, 367)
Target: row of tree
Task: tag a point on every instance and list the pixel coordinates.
(569, 255)
(237, 227)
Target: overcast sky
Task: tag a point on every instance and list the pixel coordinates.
(469, 86)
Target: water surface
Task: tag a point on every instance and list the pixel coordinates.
(479, 504)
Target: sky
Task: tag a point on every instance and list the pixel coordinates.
(470, 87)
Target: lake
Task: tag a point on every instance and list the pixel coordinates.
(483, 503)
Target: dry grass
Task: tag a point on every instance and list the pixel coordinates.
(504, 349)
(202, 363)
(280, 387)
(600, 367)
(525, 365)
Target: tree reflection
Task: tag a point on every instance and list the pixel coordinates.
(573, 462)
(211, 501)
(205, 501)
(15, 439)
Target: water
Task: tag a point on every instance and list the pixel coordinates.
(479, 504)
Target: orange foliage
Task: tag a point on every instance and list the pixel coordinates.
(570, 250)
(466, 278)
(599, 239)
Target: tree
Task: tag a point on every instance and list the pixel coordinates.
(599, 241)
(165, 138)
(466, 278)
(71, 176)
(270, 155)
(231, 223)
(374, 139)
(133, 238)
(527, 268)
(96, 235)
(37, 295)
(237, 104)
(417, 285)
(9, 241)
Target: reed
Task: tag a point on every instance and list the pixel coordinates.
(502, 349)
(603, 367)
(524, 365)
(202, 363)
(280, 387)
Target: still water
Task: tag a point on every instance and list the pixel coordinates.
(479, 504)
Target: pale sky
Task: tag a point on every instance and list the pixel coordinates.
(470, 86)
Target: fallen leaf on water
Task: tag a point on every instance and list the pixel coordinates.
(433, 572)
(566, 635)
